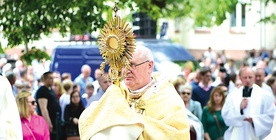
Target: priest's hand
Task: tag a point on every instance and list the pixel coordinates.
(244, 103)
(249, 119)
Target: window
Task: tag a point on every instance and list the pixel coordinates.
(243, 15)
(238, 17)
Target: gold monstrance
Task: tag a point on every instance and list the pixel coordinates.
(117, 44)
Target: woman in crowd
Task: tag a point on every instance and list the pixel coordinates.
(179, 80)
(34, 127)
(185, 92)
(58, 88)
(71, 116)
(76, 87)
(213, 123)
(64, 99)
(272, 83)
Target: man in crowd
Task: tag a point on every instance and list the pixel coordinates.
(259, 80)
(83, 79)
(48, 104)
(249, 110)
(89, 91)
(131, 110)
(12, 78)
(222, 78)
(104, 83)
(96, 85)
(202, 91)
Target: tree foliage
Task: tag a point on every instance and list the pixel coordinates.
(211, 12)
(25, 20)
(204, 12)
(271, 18)
(1, 49)
(159, 8)
(34, 53)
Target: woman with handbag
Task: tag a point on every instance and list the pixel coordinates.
(213, 123)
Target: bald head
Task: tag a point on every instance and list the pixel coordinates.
(259, 76)
(247, 76)
(85, 71)
(97, 73)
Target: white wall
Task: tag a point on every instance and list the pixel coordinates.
(220, 37)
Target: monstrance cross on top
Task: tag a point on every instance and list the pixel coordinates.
(116, 9)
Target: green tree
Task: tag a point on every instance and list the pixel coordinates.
(211, 12)
(24, 21)
(1, 49)
(271, 18)
(159, 8)
(204, 12)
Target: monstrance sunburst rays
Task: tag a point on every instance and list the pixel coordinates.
(117, 44)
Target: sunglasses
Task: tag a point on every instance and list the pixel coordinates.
(188, 93)
(32, 102)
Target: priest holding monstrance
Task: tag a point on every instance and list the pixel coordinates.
(144, 106)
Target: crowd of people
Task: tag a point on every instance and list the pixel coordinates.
(219, 100)
(50, 106)
(230, 101)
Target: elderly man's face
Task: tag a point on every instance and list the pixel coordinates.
(139, 74)
(259, 77)
(86, 72)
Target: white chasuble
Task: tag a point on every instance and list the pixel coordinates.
(10, 124)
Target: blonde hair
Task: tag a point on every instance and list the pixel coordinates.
(67, 85)
(22, 103)
(177, 82)
(61, 90)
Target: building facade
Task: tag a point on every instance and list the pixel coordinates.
(240, 31)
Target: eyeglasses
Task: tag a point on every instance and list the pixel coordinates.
(32, 102)
(133, 66)
(188, 93)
